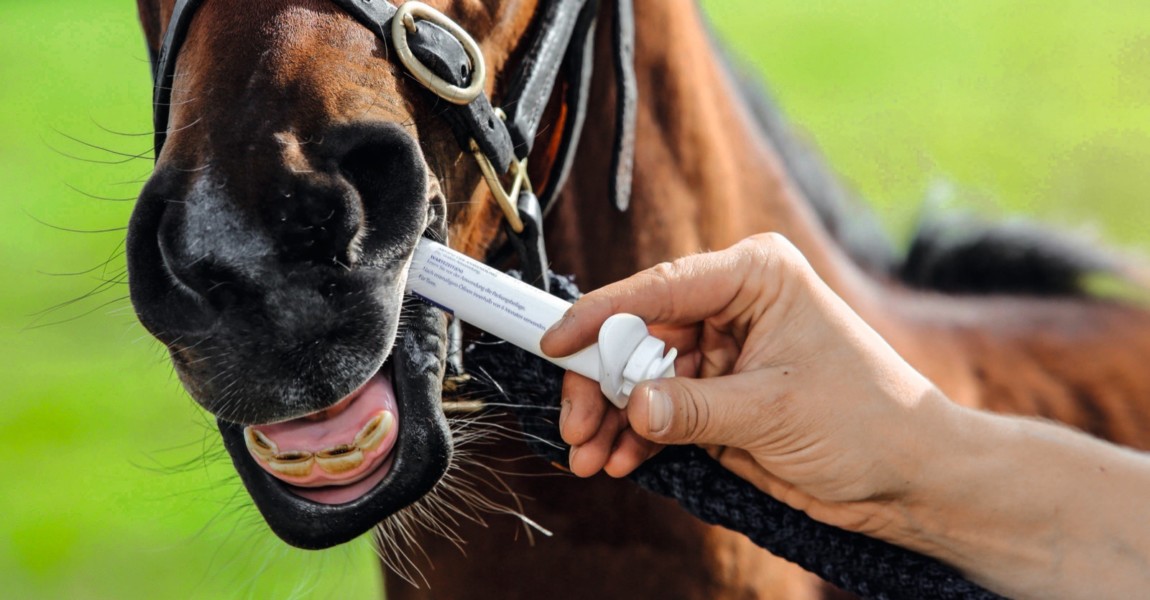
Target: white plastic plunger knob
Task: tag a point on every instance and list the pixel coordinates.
(628, 355)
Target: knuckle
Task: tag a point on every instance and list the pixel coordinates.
(664, 272)
(774, 246)
(664, 276)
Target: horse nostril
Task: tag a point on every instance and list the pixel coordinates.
(210, 281)
(318, 224)
(221, 294)
(384, 165)
(202, 276)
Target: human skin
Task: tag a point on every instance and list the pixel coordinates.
(790, 389)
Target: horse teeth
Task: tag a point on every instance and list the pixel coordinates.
(339, 459)
(372, 434)
(293, 463)
(259, 444)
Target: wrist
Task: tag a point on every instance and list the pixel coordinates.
(935, 448)
(1027, 508)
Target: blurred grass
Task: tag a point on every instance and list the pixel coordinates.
(108, 492)
(1019, 106)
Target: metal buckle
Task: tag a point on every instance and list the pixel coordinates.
(404, 21)
(506, 199)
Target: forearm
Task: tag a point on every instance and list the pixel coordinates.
(1028, 508)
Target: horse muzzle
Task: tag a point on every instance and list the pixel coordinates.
(276, 282)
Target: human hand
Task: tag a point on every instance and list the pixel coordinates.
(783, 383)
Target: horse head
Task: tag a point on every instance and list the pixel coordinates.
(300, 165)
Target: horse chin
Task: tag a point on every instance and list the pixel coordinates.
(321, 517)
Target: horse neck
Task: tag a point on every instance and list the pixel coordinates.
(705, 176)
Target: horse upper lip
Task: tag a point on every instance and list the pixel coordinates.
(332, 411)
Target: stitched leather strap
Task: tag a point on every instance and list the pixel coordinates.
(164, 69)
(539, 71)
(626, 101)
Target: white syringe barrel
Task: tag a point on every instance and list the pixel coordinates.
(492, 301)
(519, 313)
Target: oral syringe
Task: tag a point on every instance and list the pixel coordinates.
(501, 305)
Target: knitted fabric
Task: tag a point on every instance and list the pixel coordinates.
(855, 563)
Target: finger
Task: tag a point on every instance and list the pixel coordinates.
(735, 410)
(630, 452)
(718, 353)
(588, 459)
(583, 409)
(685, 338)
(687, 290)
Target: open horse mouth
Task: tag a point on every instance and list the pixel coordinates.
(328, 476)
(289, 323)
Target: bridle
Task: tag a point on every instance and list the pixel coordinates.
(446, 60)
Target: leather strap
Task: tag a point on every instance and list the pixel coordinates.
(164, 69)
(578, 65)
(626, 101)
(373, 15)
(536, 76)
(528, 244)
(477, 120)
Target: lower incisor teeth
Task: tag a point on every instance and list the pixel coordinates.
(339, 459)
(372, 434)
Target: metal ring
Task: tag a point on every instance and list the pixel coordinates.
(404, 19)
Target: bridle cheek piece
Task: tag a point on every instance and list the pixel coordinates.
(447, 61)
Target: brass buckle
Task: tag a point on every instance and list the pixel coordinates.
(508, 200)
(404, 21)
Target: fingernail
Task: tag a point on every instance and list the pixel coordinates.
(564, 410)
(658, 410)
(560, 324)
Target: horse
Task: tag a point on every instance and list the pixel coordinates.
(301, 163)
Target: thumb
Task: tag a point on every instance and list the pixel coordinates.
(719, 410)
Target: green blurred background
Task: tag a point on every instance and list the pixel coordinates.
(116, 488)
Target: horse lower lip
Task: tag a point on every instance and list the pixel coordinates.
(336, 409)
